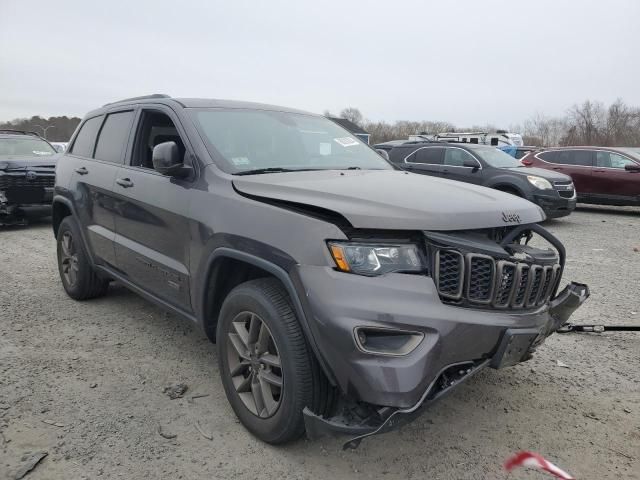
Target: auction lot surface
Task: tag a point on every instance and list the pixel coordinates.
(84, 382)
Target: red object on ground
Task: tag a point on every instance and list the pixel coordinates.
(534, 460)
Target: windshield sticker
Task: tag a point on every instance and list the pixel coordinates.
(38, 152)
(240, 161)
(346, 141)
(325, 149)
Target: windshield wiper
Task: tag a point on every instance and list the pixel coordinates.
(259, 171)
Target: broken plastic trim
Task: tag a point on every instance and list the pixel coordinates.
(442, 384)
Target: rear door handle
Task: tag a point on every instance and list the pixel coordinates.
(557, 168)
(124, 182)
(82, 171)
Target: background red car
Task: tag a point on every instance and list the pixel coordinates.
(603, 175)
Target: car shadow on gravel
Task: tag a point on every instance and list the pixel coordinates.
(610, 210)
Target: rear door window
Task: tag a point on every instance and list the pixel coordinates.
(428, 156)
(86, 139)
(582, 158)
(114, 136)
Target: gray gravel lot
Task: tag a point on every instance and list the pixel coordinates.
(84, 382)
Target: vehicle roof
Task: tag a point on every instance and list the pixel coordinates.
(18, 134)
(194, 103)
(586, 147)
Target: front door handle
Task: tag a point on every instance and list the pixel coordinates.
(124, 182)
(82, 171)
(557, 168)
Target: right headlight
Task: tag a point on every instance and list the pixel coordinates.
(376, 259)
(539, 182)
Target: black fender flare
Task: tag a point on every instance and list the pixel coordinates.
(284, 277)
(68, 203)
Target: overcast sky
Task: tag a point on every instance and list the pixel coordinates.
(467, 62)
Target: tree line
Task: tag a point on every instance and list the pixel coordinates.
(590, 123)
(54, 129)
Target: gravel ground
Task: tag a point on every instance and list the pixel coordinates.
(84, 382)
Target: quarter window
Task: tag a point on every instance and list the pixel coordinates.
(86, 139)
(455, 157)
(113, 137)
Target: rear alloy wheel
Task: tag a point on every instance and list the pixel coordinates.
(254, 364)
(79, 279)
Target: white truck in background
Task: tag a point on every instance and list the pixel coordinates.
(499, 138)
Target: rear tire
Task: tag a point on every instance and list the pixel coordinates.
(79, 279)
(273, 414)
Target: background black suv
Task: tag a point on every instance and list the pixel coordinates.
(27, 175)
(487, 166)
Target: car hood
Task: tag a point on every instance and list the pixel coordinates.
(541, 172)
(392, 199)
(8, 163)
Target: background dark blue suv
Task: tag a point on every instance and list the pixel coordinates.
(487, 166)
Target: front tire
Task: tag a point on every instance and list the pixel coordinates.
(79, 279)
(266, 368)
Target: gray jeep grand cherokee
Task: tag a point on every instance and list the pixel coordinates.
(345, 295)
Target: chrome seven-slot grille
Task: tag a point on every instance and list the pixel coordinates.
(480, 279)
(8, 181)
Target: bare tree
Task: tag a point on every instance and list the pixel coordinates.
(353, 115)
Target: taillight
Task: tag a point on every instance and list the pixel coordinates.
(527, 162)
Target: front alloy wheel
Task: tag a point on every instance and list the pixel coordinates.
(254, 364)
(68, 259)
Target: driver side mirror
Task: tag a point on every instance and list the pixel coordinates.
(471, 163)
(632, 167)
(383, 153)
(167, 161)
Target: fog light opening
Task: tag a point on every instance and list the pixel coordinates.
(384, 341)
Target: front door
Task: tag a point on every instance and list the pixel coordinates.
(152, 227)
(612, 181)
(455, 169)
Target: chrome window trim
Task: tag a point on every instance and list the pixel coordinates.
(582, 150)
(479, 167)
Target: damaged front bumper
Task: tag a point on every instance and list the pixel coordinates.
(16, 204)
(515, 345)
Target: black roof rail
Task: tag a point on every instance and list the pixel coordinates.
(22, 132)
(143, 97)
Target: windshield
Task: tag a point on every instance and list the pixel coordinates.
(496, 158)
(250, 140)
(10, 147)
(632, 151)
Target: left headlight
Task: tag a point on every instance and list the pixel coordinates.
(376, 259)
(539, 182)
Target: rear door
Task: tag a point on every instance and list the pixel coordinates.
(425, 160)
(454, 168)
(152, 227)
(578, 164)
(610, 179)
(93, 177)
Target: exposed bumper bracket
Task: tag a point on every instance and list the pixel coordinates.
(317, 426)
